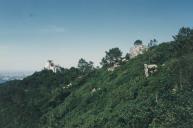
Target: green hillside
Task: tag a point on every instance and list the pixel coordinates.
(123, 98)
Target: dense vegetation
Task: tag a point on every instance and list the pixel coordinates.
(124, 98)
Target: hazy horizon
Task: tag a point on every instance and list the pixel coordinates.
(33, 31)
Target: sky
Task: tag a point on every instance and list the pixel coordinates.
(33, 31)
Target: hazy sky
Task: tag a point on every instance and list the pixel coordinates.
(32, 31)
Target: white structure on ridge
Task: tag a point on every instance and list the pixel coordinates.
(95, 89)
(51, 66)
(150, 69)
(137, 50)
(67, 86)
(111, 69)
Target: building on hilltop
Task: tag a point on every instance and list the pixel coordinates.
(51, 66)
(137, 50)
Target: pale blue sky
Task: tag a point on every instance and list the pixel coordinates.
(32, 31)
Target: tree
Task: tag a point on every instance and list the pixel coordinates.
(152, 43)
(184, 33)
(138, 42)
(112, 56)
(127, 56)
(184, 41)
(84, 66)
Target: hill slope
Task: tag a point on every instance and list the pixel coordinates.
(124, 98)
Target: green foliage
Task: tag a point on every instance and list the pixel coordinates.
(152, 43)
(127, 56)
(184, 33)
(124, 98)
(138, 42)
(84, 66)
(112, 56)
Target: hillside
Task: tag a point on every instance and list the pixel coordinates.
(123, 98)
(2, 81)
